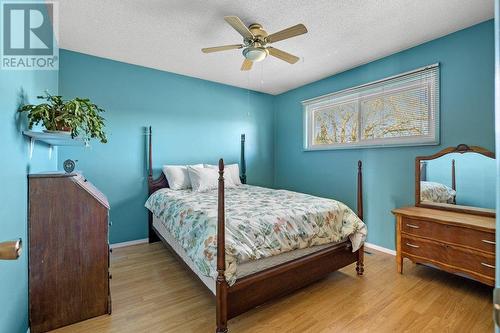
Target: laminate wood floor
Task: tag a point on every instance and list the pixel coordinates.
(152, 292)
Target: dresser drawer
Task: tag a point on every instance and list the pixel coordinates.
(472, 261)
(424, 248)
(476, 239)
(453, 258)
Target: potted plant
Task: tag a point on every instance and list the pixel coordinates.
(78, 117)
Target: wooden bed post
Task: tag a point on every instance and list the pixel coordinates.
(221, 284)
(242, 161)
(423, 171)
(152, 237)
(150, 165)
(361, 252)
(453, 180)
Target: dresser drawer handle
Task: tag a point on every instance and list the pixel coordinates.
(488, 241)
(487, 265)
(411, 245)
(412, 226)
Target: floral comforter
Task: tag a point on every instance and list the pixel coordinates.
(436, 192)
(260, 222)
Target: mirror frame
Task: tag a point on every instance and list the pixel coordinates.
(462, 149)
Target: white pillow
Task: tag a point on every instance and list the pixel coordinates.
(178, 177)
(205, 179)
(233, 170)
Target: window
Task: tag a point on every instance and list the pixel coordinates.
(402, 110)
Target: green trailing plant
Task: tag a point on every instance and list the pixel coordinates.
(79, 116)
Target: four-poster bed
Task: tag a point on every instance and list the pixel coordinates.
(261, 286)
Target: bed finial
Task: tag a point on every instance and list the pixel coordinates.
(221, 166)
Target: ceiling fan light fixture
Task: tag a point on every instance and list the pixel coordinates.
(256, 42)
(255, 54)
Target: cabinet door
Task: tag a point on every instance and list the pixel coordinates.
(68, 276)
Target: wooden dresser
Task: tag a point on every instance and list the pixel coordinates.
(456, 242)
(68, 251)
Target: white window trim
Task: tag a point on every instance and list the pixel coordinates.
(313, 104)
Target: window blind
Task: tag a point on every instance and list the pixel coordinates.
(399, 110)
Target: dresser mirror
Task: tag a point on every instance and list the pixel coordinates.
(458, 178)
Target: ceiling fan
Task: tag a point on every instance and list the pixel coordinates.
(256, 42)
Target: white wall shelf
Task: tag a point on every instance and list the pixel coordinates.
(52, 140)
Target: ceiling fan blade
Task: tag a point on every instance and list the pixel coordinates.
(247, 65)
(221, 48)
(239, 26)
(296, 30)
(290, 58)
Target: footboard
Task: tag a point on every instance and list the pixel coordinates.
(258, 288)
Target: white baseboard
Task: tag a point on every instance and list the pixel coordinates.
(380, 248)
(145, 240)
(130, 243)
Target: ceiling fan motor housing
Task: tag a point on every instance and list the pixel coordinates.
(257, 31)
(255, 42)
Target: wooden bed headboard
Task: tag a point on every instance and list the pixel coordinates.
(423, 173)
(161, 182)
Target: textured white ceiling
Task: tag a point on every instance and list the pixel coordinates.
(168, 34)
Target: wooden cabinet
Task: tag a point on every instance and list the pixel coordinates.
(68, 251)
(456, 242)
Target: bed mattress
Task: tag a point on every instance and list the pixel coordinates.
(261, 224)
(245, 269)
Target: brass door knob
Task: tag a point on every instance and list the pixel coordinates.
(11, 250)
(496, 306)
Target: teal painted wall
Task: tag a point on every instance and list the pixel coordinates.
(194, 121)
(497, 137)
(467, 116)
(475, 178)
(13, 194)
(197, 121)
